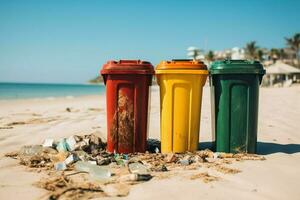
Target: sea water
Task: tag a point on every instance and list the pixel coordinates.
(42, 90)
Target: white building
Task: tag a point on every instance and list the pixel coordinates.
(237, 53)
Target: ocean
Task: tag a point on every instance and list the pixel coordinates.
(43, 90)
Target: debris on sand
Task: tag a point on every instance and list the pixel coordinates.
(64, 187)
(7, 127)
(16, 123)
(206, 178)
(93, 172)
(227, 170)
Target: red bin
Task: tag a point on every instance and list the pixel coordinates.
(127, 91)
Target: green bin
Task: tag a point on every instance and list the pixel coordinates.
(234, 100)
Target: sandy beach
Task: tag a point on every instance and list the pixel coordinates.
(25, 122)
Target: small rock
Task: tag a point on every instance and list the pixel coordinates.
(163, 168)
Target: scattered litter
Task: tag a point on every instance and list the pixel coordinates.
(121, 159)
(153, 145)
(71, 143)
(156, 150)
(171, 158)
(62, 145)
(138, 168)
(31, 150)
(69, 160)
(83, 156)
(48, 142)
(211, 160)
(60, 166)
(59, 157)
(216, 155)
(99, 173)
(135, 177)
(94, 172)
(186, 160)
(93, 162)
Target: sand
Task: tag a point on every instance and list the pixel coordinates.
(24, 122)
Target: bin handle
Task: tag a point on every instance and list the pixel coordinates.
(104, 78)
(129, 61)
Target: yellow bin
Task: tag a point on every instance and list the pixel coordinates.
(181, 83)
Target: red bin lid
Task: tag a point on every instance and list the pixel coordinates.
(127, 67)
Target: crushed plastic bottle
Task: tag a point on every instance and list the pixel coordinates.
(70, 159)
(71, 143)
(138, 168)
(96, 172)
(60, 166)
(62, 145)
(121, 159)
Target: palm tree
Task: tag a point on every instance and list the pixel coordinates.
(210, 56)
(274, 53)
(294, 44)
(194, 53)
(251, 50)
(260, 55)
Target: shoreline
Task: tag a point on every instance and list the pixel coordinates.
(32, 121)
(52, 98)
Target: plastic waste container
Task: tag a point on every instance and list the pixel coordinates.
(127, 90)
(181, 83)
(234, 100)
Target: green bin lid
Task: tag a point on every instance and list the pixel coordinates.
(237, 67)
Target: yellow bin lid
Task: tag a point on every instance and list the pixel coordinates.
(181, 66)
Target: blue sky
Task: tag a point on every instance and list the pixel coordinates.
(67, 41)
